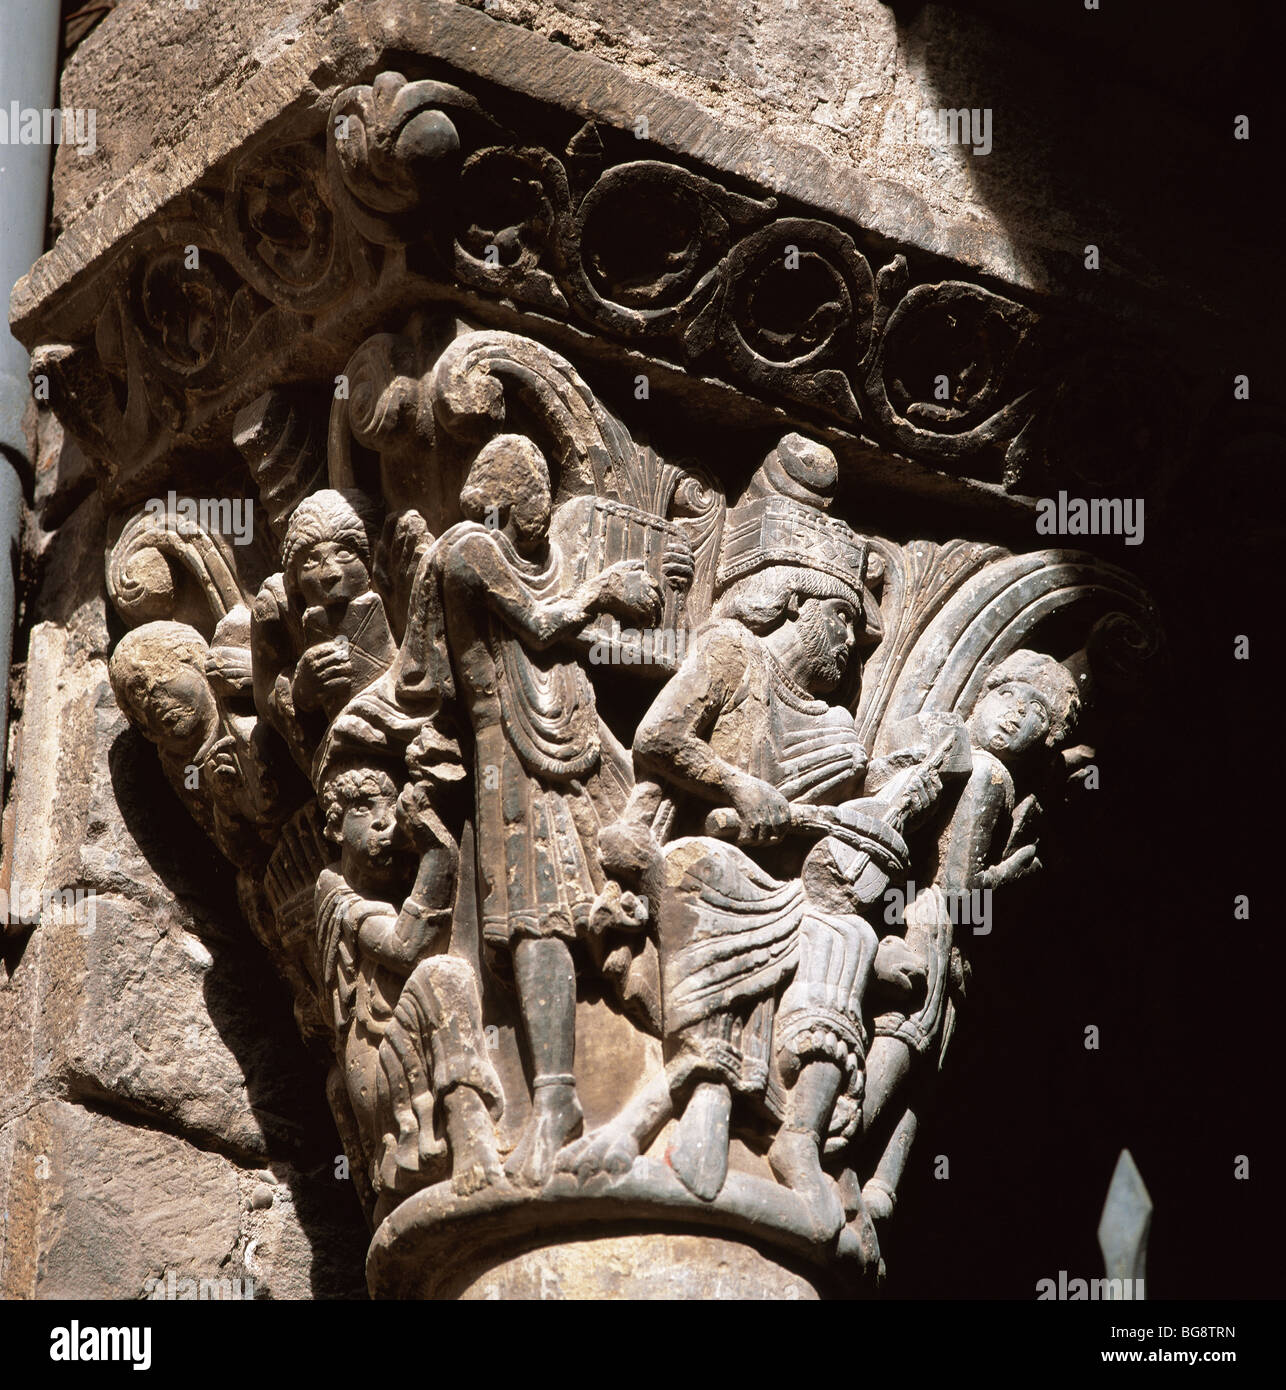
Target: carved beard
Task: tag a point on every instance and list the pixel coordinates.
(824, 667)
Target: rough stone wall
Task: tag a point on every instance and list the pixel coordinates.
(1084, 146)
(158, 1113)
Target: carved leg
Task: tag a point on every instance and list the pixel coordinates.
(613, 1147)
(401, 1082)
(893, 1099)
(888, 1064)
(546, 984)
(360, 1058)
(880, 1191)
(474, 1161)
(699, 1154)
(795, 1154)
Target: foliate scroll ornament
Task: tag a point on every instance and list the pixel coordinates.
(478, 379)
(511, 202)
(196, 318)
(165, 564)
(414, 192)
(280, 229)
(394, 150)
(647, 245)
(948, 373)
(793, 314)
(282, 437)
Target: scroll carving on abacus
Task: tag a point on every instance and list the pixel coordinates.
(413, 190)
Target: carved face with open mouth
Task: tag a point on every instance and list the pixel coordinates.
(1010, 719)
(371, 832)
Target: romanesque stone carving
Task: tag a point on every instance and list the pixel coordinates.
(413, 190)
(571, 785)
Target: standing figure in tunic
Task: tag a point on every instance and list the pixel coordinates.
(548, 771)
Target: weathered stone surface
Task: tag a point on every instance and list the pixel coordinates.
(538, 647)
(148, 1016)
(147, 73)
(144, 1203)
(647, 1267)
(816, 98)
(101, 1208)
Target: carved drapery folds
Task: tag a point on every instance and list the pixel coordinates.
(568, 780)
(578, 957)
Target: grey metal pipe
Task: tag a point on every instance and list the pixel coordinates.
(28, 82)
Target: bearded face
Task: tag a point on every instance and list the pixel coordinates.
(827, 637)
(178, 712)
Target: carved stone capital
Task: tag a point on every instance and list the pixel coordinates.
(501, 537)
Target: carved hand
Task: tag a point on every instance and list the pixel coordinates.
(922, 790)
(883, 769)
(897, 964)
(1023, 861)
(323, 670)
(628, 590)
(764, 812)
(678, 564)
(416, 813)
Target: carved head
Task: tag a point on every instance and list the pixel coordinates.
(508, 487)
(785, 560)
(327, 552)
(1029, 697)
(360, 805)
(158, 677)
(822, 611)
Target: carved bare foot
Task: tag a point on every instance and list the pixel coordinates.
(475, 1164)
(794, 1159)
(556, 1118)
(878, 1200)
(610, 1149)
(862, 1225)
